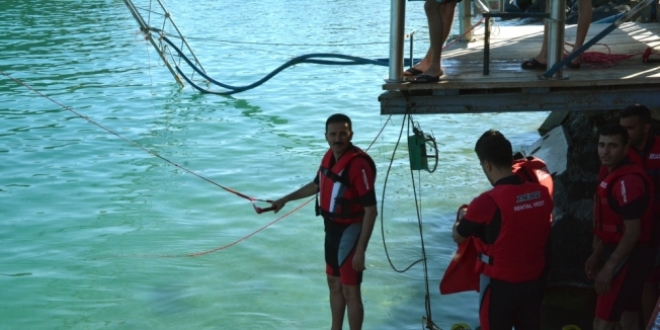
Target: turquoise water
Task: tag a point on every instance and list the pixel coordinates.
(93, 229)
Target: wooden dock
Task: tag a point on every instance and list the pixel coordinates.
(595, 86)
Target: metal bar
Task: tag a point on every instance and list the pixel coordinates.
(556, 34)
(394, 102)
(466, 19)
(397, 25)
(483, 8)
(632, 12)
(145, 29)
(167, 15)
(412, 48)
(487, 17)
(517, 15)
(487, 46)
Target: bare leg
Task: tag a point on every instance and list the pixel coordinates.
(354, 305)
(585, 12)
(649, 298)
(431, 17)
(600, 324)
(630, 321)
(337, 302)
(542, 57)
(440, 18)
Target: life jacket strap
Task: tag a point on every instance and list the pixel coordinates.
(343, 179)
(485, 259)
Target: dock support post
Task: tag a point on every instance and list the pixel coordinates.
(397, 26)
(466, 20)
(556, 34)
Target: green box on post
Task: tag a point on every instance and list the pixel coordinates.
(417, 152)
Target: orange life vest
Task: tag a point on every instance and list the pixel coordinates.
(532, 169)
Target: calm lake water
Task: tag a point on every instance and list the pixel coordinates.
(94, 231)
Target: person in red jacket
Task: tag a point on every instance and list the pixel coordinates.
(511, 227)
(644, 150)
(622, 257)
(347, 202)
(461, 275)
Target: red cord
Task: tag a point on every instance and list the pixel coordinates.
(599, 59)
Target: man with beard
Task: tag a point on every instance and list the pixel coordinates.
(644, 150)
(347, 202)
(622, 257)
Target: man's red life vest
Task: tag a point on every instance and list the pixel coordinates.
(532, 169)
(608, 224)
(518, 254)
(651, 165)
(338, 198)
(460, 274)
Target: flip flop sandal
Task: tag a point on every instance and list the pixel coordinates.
(425, 79)
(533, 64)
(412, 72)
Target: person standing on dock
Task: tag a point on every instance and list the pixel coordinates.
(644, 150)
(622, 257)
(347, 201)
(511, 228)
(540, 61)
(440, 16)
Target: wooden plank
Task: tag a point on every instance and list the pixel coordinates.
(511, 45)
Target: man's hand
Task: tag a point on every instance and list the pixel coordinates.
(592, 265)
(278, 205)
(603, 280)
(358, 261)
(461, 213)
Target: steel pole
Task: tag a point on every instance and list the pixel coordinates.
(146, 29)
(466, 18)
(397, 26)
(556, 34)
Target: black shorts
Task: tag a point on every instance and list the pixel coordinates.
(506, 305)
(340, 243)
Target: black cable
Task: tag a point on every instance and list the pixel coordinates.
(296, 60)
(418, 208)
(382, 224)
(427, 297)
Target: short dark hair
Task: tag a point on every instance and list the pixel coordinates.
(493, 147)
(614, 129)
(637, 110)
(339, 118)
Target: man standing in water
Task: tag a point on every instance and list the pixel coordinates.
(511, 227)
(644, 150)
(347, 202)
(622, 257)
